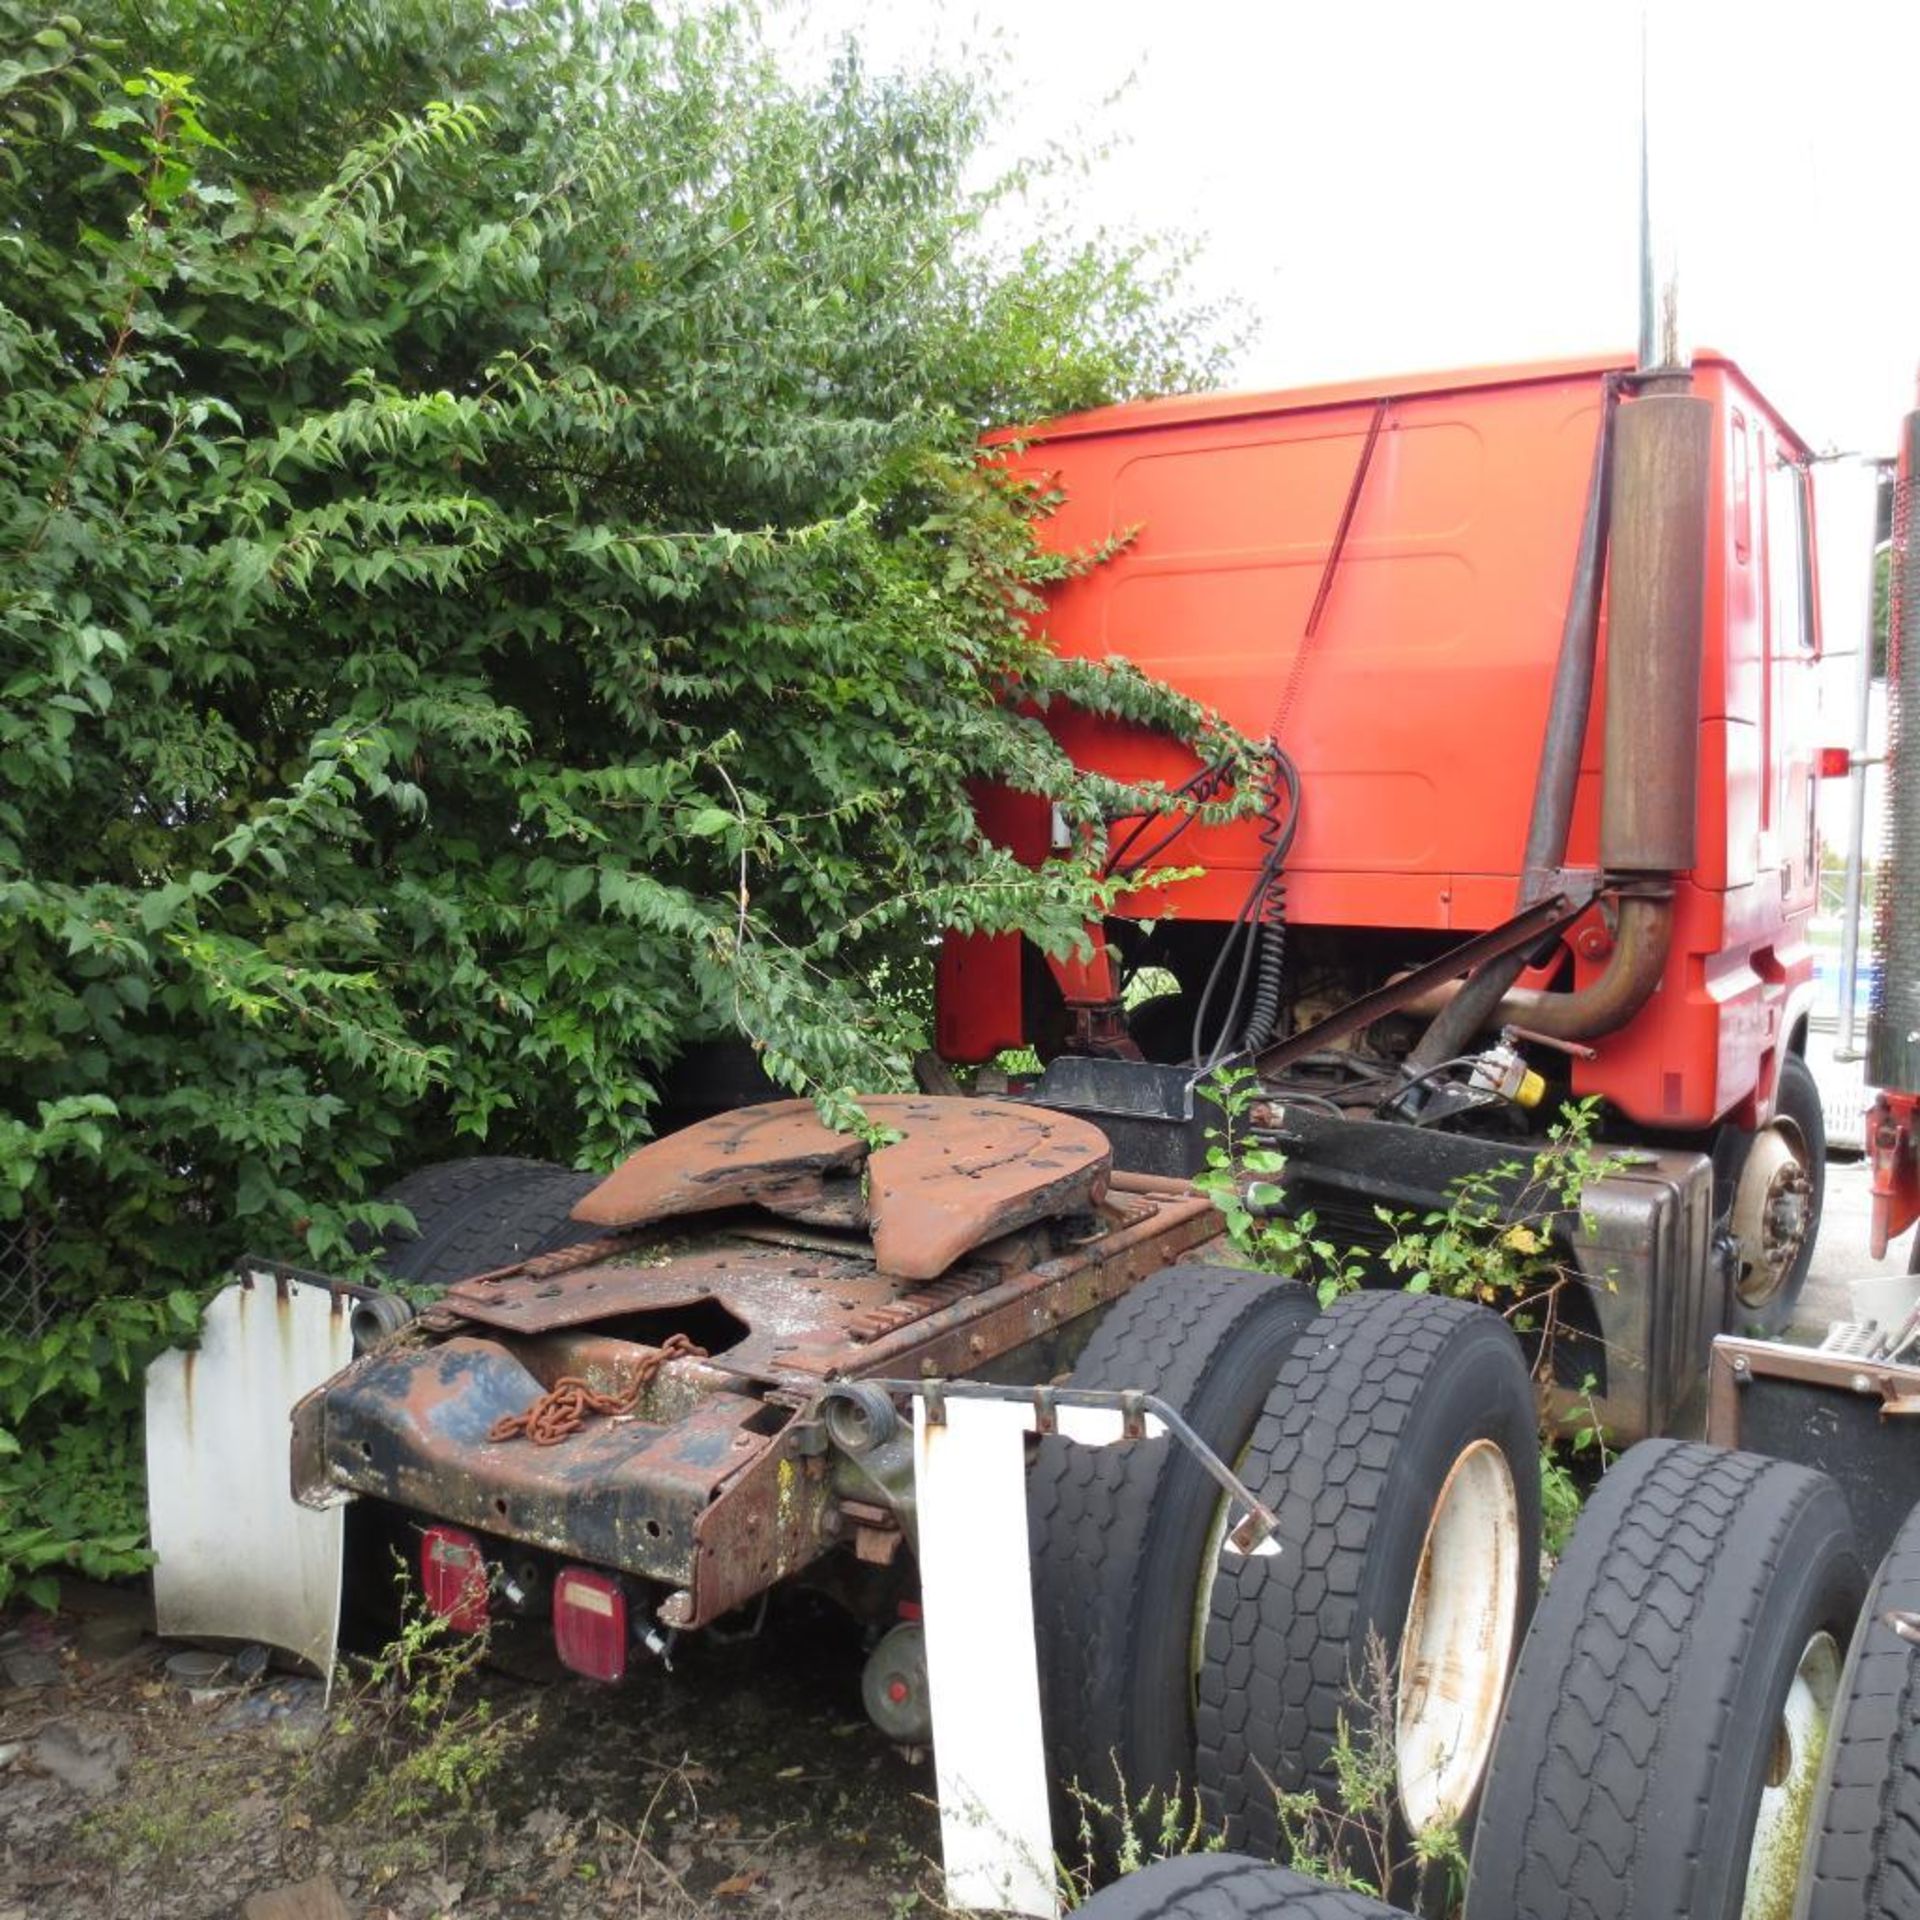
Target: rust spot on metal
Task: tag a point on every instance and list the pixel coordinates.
(961, 1173)
(714, 1484)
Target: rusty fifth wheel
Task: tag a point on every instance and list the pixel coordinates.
(1660, 1747)
(1399, 1449)
(1125, 1540)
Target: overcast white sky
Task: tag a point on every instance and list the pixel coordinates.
(1394, 186)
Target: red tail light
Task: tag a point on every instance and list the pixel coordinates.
(453, 1578)
(590, 1623)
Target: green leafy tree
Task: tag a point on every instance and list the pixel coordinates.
(496, 583)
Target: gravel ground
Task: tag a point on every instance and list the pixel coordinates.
(747, 1782)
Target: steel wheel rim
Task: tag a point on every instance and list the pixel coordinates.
(1793, 1767)
(1457, 1644)
(1777, 1160)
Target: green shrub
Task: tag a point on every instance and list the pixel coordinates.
(495, 584)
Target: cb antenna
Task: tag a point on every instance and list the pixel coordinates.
(1659, 277)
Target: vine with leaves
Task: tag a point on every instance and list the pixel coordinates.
(1498, 1240)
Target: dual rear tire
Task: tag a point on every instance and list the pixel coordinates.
(1660, 1746)
(1227, 1886)
(1681, 1741)
(1395, 1438)
(1864, 1861)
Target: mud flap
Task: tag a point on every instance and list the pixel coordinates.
(235, 1557)
(983, 1679)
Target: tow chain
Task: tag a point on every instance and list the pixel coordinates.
(565, 1406)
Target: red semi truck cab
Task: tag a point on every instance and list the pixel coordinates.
(1414, 709)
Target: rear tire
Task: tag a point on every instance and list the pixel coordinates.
(1400, 1449)
(1865, 1860)
(1652, 1762)
(1122, 1538)
(1226, 1886)
(471, 1216)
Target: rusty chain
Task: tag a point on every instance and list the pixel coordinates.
(565, 1406)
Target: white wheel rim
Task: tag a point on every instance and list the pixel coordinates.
(1458, 1640)
(1793, 1766)
(1770, 1240)
(1209, 1575)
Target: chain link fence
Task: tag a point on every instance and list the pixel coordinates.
(26, 1295)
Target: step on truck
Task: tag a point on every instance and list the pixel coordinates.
(1532, 649)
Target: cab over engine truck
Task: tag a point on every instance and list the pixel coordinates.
(1716, 1711)
(1517, 792)
(1534, 652)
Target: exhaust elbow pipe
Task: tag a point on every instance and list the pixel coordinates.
(1633, 970)
(1638, 960)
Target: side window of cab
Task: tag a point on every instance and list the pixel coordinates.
(1789, 575)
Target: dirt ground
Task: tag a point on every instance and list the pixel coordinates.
(746, 1782)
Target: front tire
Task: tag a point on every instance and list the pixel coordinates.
(1777, 1205)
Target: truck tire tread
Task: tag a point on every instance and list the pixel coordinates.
(1287, 1637)
(1113, 1528)
(1227, 1886)
(486, 1214)
(1864, 1863)
(1616, 1787)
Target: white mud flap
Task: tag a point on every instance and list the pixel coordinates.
(235, 1557)
(983, 1677)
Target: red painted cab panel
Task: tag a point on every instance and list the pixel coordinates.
(1416, 710)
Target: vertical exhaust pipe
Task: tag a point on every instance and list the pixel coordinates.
(1656, 618)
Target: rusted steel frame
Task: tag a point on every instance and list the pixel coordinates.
(779, 1512)
(1397, 996)
(1735, 1362)
(311, 1483)
(962, 1338)
(771, 1519)
(759, 1508)
(1155, 1186)
(512, 1304)
(626, 1494)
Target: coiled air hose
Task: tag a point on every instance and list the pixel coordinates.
(1256, 943)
